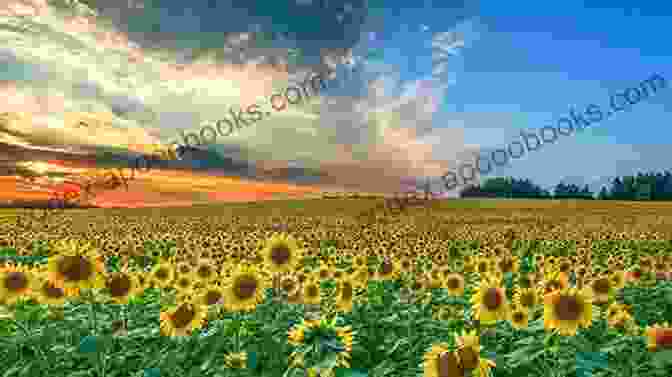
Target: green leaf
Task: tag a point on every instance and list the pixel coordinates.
(662, 358)
(80, 373)
(347, 372)
(328, 363)
(397, 345)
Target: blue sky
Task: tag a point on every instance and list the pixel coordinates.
(535, 59)
(422, 84)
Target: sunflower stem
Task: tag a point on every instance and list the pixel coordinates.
(92, 314)
(237, 334)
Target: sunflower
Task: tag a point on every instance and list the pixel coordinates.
(601, 289)
(236, 360)
(484, 367)
(526, 298)
(182, 320)
(297, 334)
(210, 295)
(454, 283)
(440, 362)
(296, 298)
(659, 337)
(618, 317)
(244, 289)
(318, 330)
(325, 272)
(489, 303)
(184, 284)
(183, 268)
(617, 279)
(16, 283)
(406, 264)
(47, 293)
(468, 349)
(205, 271)
(360, 277)
(359, 261)
(567, 310)
(162, 275)
(281, 253)
(508, 263)
(76, 266)
(435, 278)
(121, 286)
(311, 292)
(554, 281)
(345, 294)
(519, 317)
(346, 337)
(483, 265)
(289, 285)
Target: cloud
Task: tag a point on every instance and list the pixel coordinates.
(139, 87)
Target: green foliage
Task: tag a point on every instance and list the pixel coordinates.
(391, 334)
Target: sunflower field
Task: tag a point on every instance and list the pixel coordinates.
(339, 288)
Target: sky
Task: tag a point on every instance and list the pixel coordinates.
(414, 91)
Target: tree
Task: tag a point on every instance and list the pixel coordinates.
(586, 193)
(603, 195)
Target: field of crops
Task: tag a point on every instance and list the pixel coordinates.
(339, 288)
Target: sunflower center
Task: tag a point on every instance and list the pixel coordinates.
(16, 281)
(75, 268)
(182, 316)
(518, 317)
(119, 286)
(482, 267)
(212, 297)
(492, 299)
(288, 285)
(468, 357)
(527, 300)
(49, 290)
(246, 287)
(568, 308)
(184, 283)
(162, 274)
(312, 291)
(453, 283)
(324, 273)
(448, 365)
(506, 265)
(204, 271)
(601, 286)
(236, 363)
(346, 292)
(184, 269)
(280, 254)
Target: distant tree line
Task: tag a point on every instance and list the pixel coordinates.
(643, 186)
